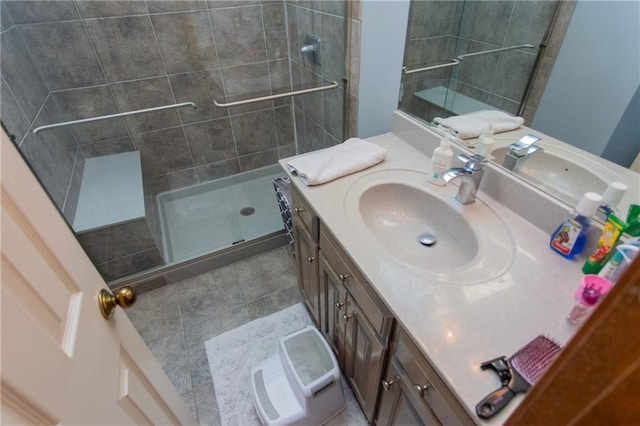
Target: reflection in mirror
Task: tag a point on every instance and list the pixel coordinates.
(520, 57)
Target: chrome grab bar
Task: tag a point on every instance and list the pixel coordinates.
(452, 62)
(106, 117)
(502, 49)
(333, 85)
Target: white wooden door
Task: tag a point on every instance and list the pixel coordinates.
(62, 362)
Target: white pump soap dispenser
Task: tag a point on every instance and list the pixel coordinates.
(485, 142)
(440, 161)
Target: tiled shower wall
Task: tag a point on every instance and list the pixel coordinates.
(318, 116)
(441, 30)
(94, 58)
(67, 60)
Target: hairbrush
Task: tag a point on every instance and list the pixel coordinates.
(517, 373)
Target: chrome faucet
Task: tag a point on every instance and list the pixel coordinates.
(471, 174)
(518, 151)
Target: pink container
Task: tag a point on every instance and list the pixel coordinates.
(603, 285)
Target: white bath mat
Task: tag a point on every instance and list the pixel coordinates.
(232, 354)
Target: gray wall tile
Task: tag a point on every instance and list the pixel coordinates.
(73, 193)
(147, 93)
(127, 47)
(21, 74)
(213, 4)
(211, 141)
(478, 70)
(59, 142)
(163, 151)
(63, 54)
(529, 22)
(202, 88)
(132, 264)
(333, 112)
(254, 132)
(155, 6)
(108, 147)
(247, 81)
(280, 77)
(44, 167)
(174, 180)
(105, 8)
(513, 66)
(29, 12)
(490, 21)
(284, 126)
(313, 136)
(95, 244)
(332, 47)
(186, 41)
(12, 115)
(91, 102)
(218, 170)
(257, 160)
(239, 35)
(5, 18)
(275, 31)
(128, 238)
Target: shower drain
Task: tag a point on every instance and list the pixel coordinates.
(247, 211)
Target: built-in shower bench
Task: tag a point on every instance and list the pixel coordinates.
(112, 218)
(111, 192)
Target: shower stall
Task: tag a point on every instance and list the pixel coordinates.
(156, 126)
(464, 56)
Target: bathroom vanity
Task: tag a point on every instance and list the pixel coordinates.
(410, 335)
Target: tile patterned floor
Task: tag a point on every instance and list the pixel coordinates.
(175, 321)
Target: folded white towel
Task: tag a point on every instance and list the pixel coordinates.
(327, 164)
(474, 124)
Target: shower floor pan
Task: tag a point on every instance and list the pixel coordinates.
(209, 216)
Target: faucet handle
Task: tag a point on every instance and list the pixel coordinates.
(524, 144)
(473, 163)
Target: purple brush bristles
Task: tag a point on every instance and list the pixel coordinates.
(532, 360)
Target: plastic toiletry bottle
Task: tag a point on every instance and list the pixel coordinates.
(485, 142)
(610, 199)
(440, 161)
(591, 290)
(620, 261)
(583, 307)
(570, 237)
(611, 231)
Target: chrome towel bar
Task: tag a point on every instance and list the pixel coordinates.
(106, 117)
(333, 85)
(502, 49)
(451, 63)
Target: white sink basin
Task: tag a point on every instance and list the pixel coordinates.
(559, 176)
(391, 209)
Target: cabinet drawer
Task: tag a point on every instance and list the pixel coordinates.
(370, 304)
(435, 394)
(304, 214)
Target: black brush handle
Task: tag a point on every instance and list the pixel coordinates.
(494, 402)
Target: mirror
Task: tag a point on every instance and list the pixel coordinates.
(575, 87)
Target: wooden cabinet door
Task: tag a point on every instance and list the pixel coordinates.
(364, 356)
(389, 397)
(307, 261)
(397, 405)
(334, 299)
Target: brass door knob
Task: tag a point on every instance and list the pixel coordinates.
(123, 297)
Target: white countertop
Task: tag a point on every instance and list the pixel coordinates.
(459, 326)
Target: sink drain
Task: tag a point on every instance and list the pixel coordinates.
(247, 211)
(427, 239)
